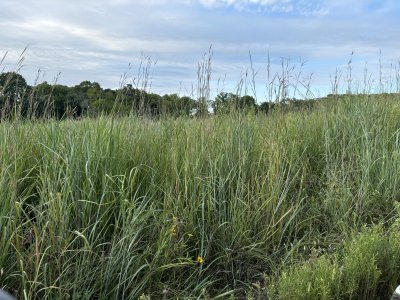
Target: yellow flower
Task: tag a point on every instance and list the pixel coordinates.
(200, 260)
(173, 230)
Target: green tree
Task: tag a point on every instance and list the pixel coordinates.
(246, 103)
(228, 102)
(13, 91)
(221, 103)
(58, 98)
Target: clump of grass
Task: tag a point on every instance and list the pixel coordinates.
(316, 279)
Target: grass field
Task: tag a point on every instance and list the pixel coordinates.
(298, 205)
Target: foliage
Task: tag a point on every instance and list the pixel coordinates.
(86, 98)
(227, 102)
(89, 98)
(367, 269)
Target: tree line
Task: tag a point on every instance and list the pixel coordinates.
(90, 99)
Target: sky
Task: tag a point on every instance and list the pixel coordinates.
(110, 41)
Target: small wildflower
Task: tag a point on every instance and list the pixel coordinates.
(200, 260)
(173, 231)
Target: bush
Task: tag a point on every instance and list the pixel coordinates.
(368, 269)
(316, 279)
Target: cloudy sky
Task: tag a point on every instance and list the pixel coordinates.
(100, 40)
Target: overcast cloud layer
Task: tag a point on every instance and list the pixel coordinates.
(97, 40)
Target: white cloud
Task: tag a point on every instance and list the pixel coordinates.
(298, 7)
(242, 2)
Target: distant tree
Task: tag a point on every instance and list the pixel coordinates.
(59, 101)
(246, 103)
(229, 102)
(265, 107)
(13, 91)
(75, 102)
(132, 97)
(153, 104)
(86, 85)
(12, 83)
(94, 93)
(202, 107)
(186, 105)
(221, 103)
(101, 105)
(40, 102)
(59, 97)
(174, 105)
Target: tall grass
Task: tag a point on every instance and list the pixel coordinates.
(224, 207)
